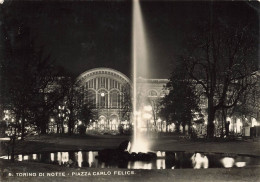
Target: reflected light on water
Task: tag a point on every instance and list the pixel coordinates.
(90, 158)
(52, 157)
(4, 157)
(139, 165)
(26, 157)
(227, 162)
(160, 164)
(20, 158)
(240, 164)
(199, 161)
(64, 157)
(34, 156)
(80, 160)
(59, 157)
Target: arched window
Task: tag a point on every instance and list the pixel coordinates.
(102, 99)
(115, 99)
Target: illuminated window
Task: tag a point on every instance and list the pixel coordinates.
(102, 98)
(114, 99)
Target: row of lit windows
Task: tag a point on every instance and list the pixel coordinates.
(102, 82)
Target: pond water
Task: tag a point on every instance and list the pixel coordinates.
(165, 160)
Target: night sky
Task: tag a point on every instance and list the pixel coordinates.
(89, 34)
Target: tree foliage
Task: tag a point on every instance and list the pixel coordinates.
(181, 104)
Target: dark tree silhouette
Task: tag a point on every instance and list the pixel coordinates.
(221, 58)
(182, 101)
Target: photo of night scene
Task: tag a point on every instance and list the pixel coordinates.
(129, 90)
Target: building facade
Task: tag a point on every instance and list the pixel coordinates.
(109, 93)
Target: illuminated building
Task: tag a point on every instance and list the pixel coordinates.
(109, 92)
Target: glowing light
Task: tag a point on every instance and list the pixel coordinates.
(26, 157)
(159, 154)
(139, 165)
(59, 157)
(147, 166)
(147, 115)
(199, 161)
(239, 125)
(128, 147)
(64, 157)
(113, 121)
(52, 157)
(227, 162)
(240, 164)
(140, 145)
(80, 159)
(20, 158)
(254, 122)
(34, 156)
(4, 157)
(148, 108)
(90, 158)
(160, 164)
(102, 94)
(140, 68)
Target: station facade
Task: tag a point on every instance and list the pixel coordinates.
(109, 93)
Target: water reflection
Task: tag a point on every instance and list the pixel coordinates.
(165, 160)
(240, 164)
(199, 161)
(228, 162)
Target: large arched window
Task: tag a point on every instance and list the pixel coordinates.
(115, 99)
(102, 99)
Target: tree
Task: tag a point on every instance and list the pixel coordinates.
(86, 114)
(126, 108)
(27, 73)
(182, 102)
(221, 58)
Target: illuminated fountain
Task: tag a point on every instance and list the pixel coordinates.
(140, 147)
(140, 142)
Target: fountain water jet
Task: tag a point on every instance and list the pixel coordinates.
(140, 141)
